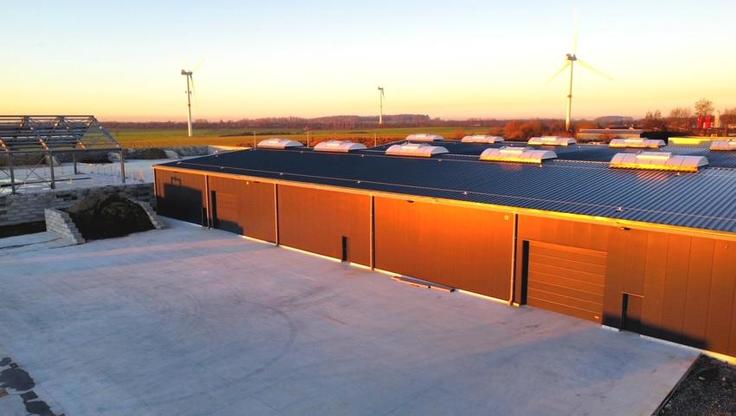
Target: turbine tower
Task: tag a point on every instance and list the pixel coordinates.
(190, 86)
(570, 60)
(380, 106)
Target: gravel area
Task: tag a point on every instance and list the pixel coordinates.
(708, 388)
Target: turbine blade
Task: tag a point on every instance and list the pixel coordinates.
(559, 71)
(594, 70)
(576, 31)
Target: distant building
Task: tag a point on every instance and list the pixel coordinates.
(614, 121)
(608, 134)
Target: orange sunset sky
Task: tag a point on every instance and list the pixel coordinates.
(451, 60)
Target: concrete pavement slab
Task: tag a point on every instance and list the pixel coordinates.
(190, 321)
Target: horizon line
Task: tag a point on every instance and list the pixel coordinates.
(223, 120)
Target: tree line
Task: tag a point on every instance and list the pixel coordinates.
(679, 119)
(346, 122)
(684, 118)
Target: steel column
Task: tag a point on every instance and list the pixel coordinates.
(12, 173)
(122, 165)
(276, 211)
(50, 161)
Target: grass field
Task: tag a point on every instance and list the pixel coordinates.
(140, 138)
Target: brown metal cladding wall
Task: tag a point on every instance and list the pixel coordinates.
(687, 285)
(180, 195)
(683, 288)
(461, 247)
(245, 207)
(316, 220)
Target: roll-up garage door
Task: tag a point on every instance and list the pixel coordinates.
(567, 280)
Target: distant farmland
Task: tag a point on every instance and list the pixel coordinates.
(140, 138)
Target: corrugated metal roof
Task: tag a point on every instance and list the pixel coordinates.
(705, 200)
(595, 153)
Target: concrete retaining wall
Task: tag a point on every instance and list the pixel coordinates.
(29, 207)
(61, 224)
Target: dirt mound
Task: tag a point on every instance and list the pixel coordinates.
(105, 216)
(88, 156)
(146, 154)
(185, 151)
(92, 157)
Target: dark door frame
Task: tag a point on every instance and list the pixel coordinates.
(345, 248)
(525, 245)
(213, 220)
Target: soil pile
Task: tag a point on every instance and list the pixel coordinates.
(146, 154)
(186, 151)
(101, 216)
(88, 156)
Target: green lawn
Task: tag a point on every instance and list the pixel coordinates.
(178, 137)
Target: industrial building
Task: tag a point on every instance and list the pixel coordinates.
(608, 134)
(643, 240)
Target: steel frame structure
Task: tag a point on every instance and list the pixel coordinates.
(40, 137)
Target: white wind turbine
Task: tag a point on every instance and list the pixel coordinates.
(570, 60)
(190, 87)
(380, 106)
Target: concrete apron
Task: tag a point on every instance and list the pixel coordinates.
(190, 321)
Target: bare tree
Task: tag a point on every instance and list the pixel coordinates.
(681, 112)
(524, 129)
(728, 116)
(680, 118)
(654, 121)
(704, 107)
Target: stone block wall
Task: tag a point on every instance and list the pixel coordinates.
(155, 220)
(29, 207)
(60, 223)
